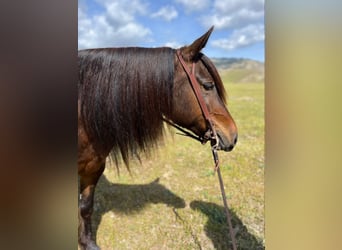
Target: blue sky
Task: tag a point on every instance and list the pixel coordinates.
(239, 25)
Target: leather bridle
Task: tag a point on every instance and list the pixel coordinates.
(209, 135)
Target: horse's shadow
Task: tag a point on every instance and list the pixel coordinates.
(130, 199)
(217, 230)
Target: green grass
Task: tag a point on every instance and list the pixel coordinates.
(173, 201)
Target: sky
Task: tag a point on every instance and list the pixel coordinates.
(239, 25)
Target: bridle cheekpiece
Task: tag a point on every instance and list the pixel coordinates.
(211, 133)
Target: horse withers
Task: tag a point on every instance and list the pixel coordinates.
(125, 95)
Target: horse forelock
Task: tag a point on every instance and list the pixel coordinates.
(123, 93)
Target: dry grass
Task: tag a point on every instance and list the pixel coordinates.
(173, 201)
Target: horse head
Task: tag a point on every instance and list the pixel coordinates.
(186, 110)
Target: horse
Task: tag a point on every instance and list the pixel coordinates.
(124, 97)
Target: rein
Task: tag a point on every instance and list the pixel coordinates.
(209, 135)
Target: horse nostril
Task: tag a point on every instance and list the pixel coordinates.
(235, 140)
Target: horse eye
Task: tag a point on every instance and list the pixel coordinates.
(208, 85)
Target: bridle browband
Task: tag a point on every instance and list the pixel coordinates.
(209, 135)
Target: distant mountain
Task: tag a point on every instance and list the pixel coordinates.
(239, 70)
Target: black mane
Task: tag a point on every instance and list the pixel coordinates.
(123, 93)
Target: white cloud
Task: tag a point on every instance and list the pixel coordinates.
(120, 7)
(173, 44)
(243, 19)
(234, 13)
(238, 19)
(116, 26)
(246, 36)
(194, 5)
(229, 6)
(116, 22)
(167, 13)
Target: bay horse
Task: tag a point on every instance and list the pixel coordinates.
(124, 97)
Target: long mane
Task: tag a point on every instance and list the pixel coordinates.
(123, 94)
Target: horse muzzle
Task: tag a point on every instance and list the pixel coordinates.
(226, 144)
(220, 141)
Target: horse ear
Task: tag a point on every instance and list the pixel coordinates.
(190, 52)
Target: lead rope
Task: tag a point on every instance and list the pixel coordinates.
(224, 197)
(214, 141)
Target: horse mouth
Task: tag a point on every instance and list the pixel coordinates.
(225, 144)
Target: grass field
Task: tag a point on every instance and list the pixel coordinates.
(172, 199)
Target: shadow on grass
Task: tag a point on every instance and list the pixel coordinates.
(129, 199)
(217, 230)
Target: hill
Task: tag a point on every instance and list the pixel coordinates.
(240, 70)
